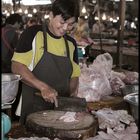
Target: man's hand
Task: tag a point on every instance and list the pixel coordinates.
(50, 95)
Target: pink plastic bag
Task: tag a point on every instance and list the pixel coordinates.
(94, 80)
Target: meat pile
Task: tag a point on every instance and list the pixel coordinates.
(119, 80)
(131, 77)
(115, 125)
(99, 80)
(68, 117)
(72, 116)
(34, 138)
(128, 134)
(109, 118)
(116, 82)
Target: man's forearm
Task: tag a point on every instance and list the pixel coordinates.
(74, 84)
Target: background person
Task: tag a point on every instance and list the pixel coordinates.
(35, 20)
(9, 40)
(98, 27)
(82, 32)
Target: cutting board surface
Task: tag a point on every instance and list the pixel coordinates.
(48, 123)
(52, 119)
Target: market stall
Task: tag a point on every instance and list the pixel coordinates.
(106, 104)
(104, 100)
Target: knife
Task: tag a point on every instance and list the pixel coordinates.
(75, 104)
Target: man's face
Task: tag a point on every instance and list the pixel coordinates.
(58, 26)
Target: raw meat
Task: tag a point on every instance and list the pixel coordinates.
(69, 117)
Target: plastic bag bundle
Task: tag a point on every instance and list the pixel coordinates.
(94, 80)
(103, 64)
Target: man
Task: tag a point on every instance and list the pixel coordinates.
(9, 40)
(49, 69)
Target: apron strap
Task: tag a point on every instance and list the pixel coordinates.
(67, 47)
(44, 36)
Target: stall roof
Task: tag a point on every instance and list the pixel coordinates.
(31, 2)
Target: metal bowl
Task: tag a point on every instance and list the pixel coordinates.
(132, 99)
(130, 89)
(10, 83)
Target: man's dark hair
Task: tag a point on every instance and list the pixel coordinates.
(13, 18)
(66, 8)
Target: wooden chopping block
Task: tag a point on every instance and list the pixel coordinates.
(113, 102)
(48, 124)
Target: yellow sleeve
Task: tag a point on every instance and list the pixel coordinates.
(76, 70)
(24, 58)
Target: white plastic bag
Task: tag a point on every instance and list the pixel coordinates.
(103, 64)
(94, 80)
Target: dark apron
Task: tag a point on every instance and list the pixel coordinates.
(53, 70)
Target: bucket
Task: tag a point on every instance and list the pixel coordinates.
(132, 99)
(10, 84)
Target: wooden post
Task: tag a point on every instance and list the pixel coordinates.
(120, 33)
(14, 5)
(100, 33)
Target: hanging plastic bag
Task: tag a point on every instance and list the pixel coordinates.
(94, 80)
